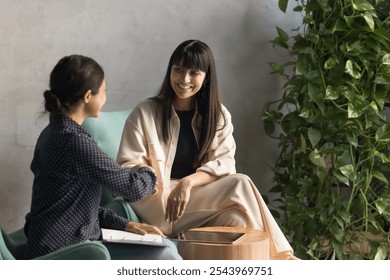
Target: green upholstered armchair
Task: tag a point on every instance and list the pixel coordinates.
(107, 130)
(89, 250)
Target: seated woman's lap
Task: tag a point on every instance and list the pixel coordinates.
(224, 202)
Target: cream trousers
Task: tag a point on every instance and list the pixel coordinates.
(230, 201)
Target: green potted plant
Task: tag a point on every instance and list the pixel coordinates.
(333, 169)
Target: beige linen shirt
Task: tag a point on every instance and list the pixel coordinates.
(142, 142)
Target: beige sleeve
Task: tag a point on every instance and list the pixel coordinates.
(133, 146)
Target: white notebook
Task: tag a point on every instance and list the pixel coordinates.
(120, 236)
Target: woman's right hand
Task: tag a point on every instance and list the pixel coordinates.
(140, 228)
(137, 167)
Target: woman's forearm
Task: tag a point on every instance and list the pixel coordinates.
(198, 179)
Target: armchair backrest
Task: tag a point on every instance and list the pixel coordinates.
(107, 130)
(5, 254)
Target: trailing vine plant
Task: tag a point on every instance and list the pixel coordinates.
(333, 170)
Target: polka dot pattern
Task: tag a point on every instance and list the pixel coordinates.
(69, 173)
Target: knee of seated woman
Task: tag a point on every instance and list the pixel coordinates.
(230, 218)
(239, 177)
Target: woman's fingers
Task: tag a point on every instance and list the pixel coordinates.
(181, 209)
(143, 229)
(153, 229)
(176, 204)
(171, 210)
(135, 228)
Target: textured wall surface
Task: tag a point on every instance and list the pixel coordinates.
(132, 40)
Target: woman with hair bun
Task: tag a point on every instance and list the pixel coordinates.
(70, 169)
(186, 135)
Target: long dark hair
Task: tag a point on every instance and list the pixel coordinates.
(70, 79)
(194, 54)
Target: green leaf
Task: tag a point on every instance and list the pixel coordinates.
(341, 178)
(384, 70)
(327, 148)
(298, 9)
(303, 143)
(317, 160)
(337, 232)
(283, 36)
(384, 158)
(300, 68)
(379, 97)
(331, 94)
(348, 171)
(340, 26)
(382, 134)
(346, 216)
(340, 222)
(379, 175)
(277, 69)
(352, 135)
(356, 47)
(314, 136)
(353, 69)
(324, 4)
(369, 20)
(347, 92)
(310, 212)
(362, 5)
(349, 21)
(386, 59)
(345, 158)
(314, 77)
(316, 95)
(374, 107)
(314, 38)
(380, 206)
(382, 80)
(330, 63)
(381, 35)
(383, 204)
(381, 253)
(354, 112)
(283, 5)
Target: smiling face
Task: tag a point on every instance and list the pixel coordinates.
(185, 82)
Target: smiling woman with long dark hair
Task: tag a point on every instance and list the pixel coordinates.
(186, 135)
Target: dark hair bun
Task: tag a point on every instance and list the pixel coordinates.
(52, 103)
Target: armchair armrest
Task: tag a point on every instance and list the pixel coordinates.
(89, 250)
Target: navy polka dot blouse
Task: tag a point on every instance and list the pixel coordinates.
(69, 173)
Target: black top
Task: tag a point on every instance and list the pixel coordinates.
(69, 172)
(186, 151)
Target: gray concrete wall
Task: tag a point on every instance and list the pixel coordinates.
(132, 40)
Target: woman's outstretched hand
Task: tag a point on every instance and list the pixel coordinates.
(140, 228)
(137, 167)
(177, 201)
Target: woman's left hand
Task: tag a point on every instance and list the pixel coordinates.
(177, 201)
